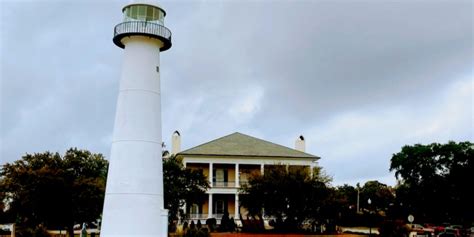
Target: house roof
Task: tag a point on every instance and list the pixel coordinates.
(238, 144)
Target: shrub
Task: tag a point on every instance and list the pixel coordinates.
(199, 225)
(211, 224)
(203, 232)
(38, 231)
(393, 229)
(224, 226)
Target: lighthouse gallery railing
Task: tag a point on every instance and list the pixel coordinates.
(145, 28)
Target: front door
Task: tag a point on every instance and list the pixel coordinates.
(220, 206)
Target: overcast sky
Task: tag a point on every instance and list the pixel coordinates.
(359, 79)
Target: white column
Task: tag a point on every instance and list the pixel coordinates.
(210, 174)
(209, 207)
(262, 169)
(311, 167)
(184, 164)
(237, 206)
(237, 176)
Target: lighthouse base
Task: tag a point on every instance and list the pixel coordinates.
(133, 215)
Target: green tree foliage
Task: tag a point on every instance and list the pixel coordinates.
(381, 196)
(345, 197)
(436, 181)
(348, 195)
(3, 215)
(344, 202)
(38, 231)
(181, 186)
(290, 197)
(53, 191)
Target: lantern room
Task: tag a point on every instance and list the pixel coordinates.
(144, 12)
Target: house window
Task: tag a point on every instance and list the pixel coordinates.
(220, 177)
(194, 209)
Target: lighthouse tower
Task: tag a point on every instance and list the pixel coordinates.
(133, 203)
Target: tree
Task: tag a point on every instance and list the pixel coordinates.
(435, 181)
(347, 195)
(53, 191)
(380, 194)
(181, 186)
(289, 196)
(3, 215)
(343, 202)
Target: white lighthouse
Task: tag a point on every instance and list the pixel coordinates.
(133, 203)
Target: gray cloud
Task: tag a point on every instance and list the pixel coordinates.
(357, 78)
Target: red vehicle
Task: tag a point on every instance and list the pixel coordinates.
(437, 228)
(419, 229)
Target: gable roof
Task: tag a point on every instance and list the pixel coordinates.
(238, 144)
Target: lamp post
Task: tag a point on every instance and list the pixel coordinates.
(370, 219)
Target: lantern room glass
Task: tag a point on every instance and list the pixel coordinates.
(144, 13)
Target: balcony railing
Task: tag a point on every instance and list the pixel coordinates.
(205, 216)
(218, 184)
(144, 28)
(220, 215)
(198, 216)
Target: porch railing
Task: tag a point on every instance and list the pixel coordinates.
(218, 184)
(219, 216)
(206, 216)
(198, 216)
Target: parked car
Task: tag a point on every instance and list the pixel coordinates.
(451, 231)
(437, 228)
(419, 229)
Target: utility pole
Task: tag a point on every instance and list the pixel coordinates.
(358, 194)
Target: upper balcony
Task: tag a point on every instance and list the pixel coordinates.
(222, 184)
(145, 28)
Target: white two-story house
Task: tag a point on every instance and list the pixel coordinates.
(228, 162)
